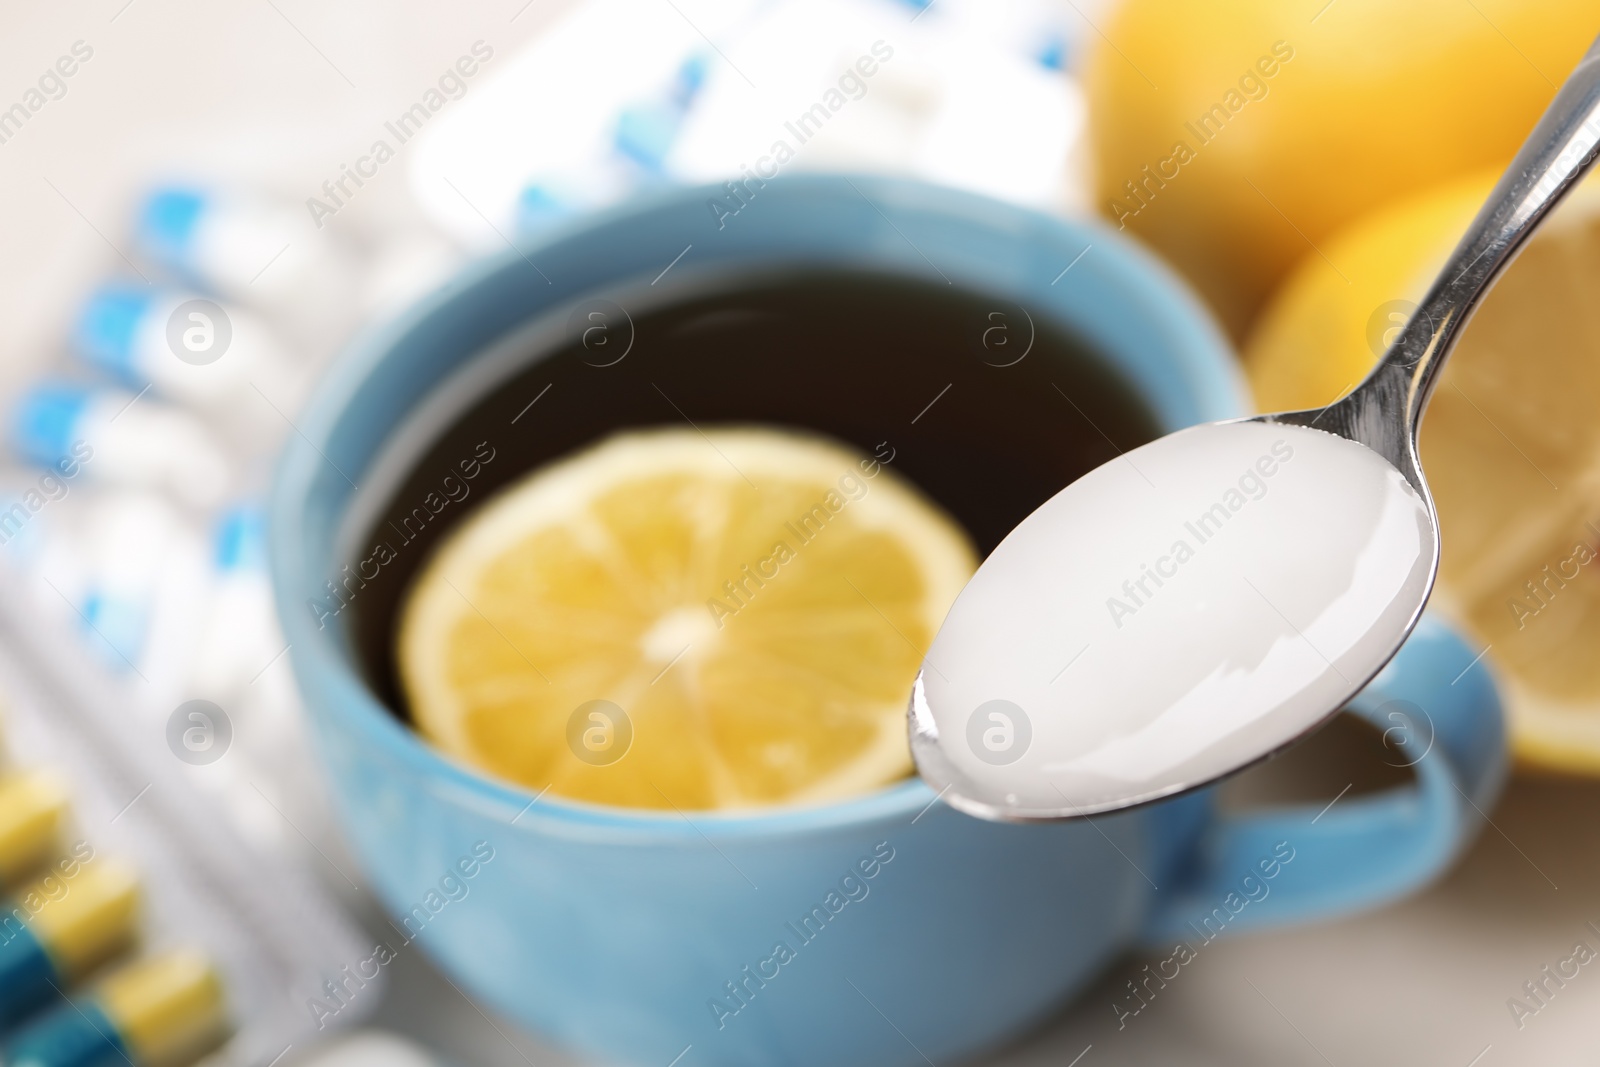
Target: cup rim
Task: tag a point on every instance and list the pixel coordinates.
(323, 662)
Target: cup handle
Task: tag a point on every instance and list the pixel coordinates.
(1437, 705)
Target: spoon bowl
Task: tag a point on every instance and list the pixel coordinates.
(1225, 586)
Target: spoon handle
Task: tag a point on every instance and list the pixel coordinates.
(1560, 150)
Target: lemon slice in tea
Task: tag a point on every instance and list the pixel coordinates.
(677, 619)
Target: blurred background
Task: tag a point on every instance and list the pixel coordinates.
(1303, 164)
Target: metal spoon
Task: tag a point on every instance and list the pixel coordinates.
(1208, 599)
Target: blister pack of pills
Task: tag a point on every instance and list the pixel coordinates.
(141, 925)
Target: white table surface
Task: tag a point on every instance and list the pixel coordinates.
(264, 87)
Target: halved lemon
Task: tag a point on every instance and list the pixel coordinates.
(678, 619)
(1510, 443)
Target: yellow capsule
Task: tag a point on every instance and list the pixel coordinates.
(59, 927)
(168, 1009)
(33, 806)
(83, 920)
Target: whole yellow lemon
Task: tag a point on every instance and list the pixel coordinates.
(1235, 135)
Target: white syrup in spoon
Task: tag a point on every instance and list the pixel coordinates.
(1170, 617)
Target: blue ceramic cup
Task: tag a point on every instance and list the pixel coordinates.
(886, 929)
